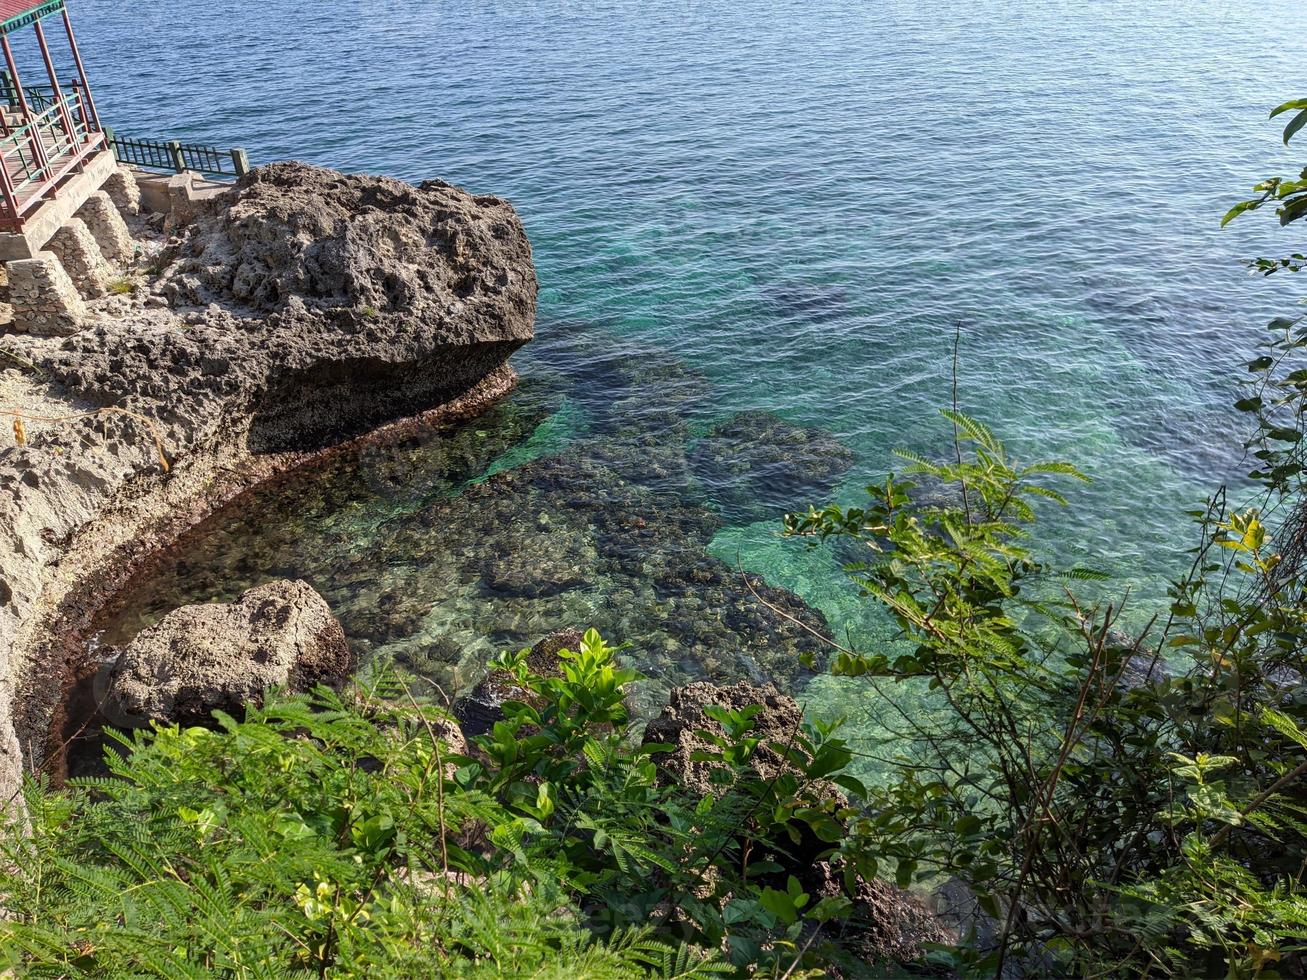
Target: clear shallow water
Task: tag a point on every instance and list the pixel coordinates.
(797, 204)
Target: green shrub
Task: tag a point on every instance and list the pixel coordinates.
(1120, 804)
(1111, 817)
(343, 835)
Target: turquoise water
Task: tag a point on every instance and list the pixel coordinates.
(796, 206)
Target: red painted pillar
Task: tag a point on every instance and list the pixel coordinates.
(34, 138)
(10, 197)
(88, 103)
(64, 115)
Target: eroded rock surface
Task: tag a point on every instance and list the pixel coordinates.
(301, 307)
(224, 656)
(314, 305)
(885, 923)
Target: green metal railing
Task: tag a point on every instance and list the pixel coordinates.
(174, 156)
(37, 154)
(38, 96)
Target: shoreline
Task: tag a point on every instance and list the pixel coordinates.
(239, 384)
(127, 537)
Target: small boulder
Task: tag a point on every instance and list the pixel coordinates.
(478, 711)
(223, 656)
(683, 718)
(885, 923)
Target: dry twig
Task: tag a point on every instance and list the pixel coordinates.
(20, 430)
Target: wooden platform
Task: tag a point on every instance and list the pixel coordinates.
(47, 215)
(27, 180)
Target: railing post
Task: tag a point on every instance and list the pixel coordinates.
(80, 95)
(91, 117)
(240, 162)
(10, 199)
(109, 142)
(175, 156)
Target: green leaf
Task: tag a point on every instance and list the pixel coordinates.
(374, 833)
(1283, 724)
(1237, 210)
(779, 904)
(1293, 210)
(903, 874)
(850, 783)
(1288, 106)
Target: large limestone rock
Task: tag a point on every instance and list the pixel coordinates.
(224, 656)
(300, 308)
(317, 304)
(359, 251)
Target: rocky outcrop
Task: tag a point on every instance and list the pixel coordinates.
(777, 724)
(357, 251)
(479, 710)
(684, 718)
(301, 308)
(316, 305)
(224, 656)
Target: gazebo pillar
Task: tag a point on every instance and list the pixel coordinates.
(88, 104)
(64, 114)
(33, 137)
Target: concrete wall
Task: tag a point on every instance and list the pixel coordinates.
(54, 213)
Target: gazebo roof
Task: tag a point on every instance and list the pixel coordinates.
(20, 13)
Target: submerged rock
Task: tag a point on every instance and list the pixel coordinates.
(431, 562)
(566, 539)
(759, 466)
(201, 659)
(440, 550)
(538, 563)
